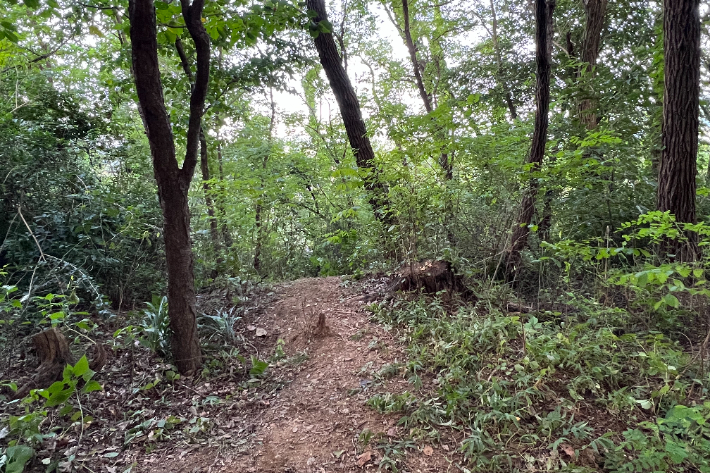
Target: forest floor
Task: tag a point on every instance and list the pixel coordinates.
(317, 421)
(306, 413)
(304, 377)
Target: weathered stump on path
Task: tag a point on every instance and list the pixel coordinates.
(429, 276)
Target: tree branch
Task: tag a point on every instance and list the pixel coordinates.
(193, 21)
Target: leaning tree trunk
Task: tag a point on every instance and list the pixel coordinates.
(173, 182)
(681, 93)
(204, 164)
(543, 44)
(349, 110)
(445, 161)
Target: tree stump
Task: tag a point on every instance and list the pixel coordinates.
(430, 276)
(54, 354)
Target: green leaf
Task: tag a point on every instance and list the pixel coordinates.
(59, 398)
(33, 4)
(17, 457)
(12, 37)
(644, 403)
(671, 300)
(258, 367)
(676, 451)
(81, 367)
(324, 26)
(95, 31)
(91, 386)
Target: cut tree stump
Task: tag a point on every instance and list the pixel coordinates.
(429, 276)
(54, 354)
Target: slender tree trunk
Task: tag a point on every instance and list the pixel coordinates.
(411, 47)
(676, 178)
(595, 10)
(204, 163)
(226, 235)
(260, 203)
(173, 182)
(350, 111)
(499, 60)
(444, 161)
(543, 45)
(209, 202)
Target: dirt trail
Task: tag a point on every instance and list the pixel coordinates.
(314, 423)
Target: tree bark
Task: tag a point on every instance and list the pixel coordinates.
(543, 47)
(349, 110)
(595, 10)
(681, 105)
(173, 182)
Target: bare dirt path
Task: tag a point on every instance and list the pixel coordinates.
(316, 422)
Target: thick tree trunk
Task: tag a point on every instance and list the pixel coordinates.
(173, 182)
(349, 110)
(543, 44)
(676, 178)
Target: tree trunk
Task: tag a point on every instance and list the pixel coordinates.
(499, 60)
(260, 203)
(594, 12)
(676, 178)
(349, 110)
(209, 202)
(204, 162)
(543, 46)
(226, 235)
(173, 182)
(444, 161)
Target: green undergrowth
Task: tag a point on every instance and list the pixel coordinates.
(568, 393)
